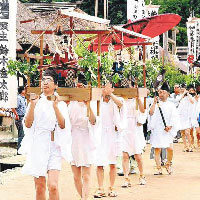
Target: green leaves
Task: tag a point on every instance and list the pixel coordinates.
(24, 67)
(115, 78)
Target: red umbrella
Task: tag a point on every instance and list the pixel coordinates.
(154, 26)
(151, 26)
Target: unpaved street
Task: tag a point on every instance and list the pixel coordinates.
(183, 184)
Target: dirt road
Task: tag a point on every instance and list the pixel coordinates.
(183, 184)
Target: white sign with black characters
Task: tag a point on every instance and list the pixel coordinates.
(135, 9)
(8, 84)
(192, 38)
(153, 50)
(198, 39)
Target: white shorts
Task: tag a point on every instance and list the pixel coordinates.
(55, 159)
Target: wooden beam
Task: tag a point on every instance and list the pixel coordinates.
(70, 94)
(72, 32)
(130, 92)
(26, 21)
(96, 94)
(88, 94)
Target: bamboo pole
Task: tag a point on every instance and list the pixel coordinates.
(144, 72)
(41, 54)
(98, 70)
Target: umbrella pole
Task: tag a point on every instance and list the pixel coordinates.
(99, 60)
(41, 54)
(144, 71)
(98, 70)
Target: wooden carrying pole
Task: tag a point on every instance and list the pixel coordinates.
(98, 70)
(41, 54)
(144, 72)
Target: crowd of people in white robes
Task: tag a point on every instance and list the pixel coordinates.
(74, 131)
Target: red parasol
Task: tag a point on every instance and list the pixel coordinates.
(154, 26)
(151, 26)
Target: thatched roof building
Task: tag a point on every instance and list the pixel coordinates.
(27, 20)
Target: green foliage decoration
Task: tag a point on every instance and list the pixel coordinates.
(22, 67)
(89, 63)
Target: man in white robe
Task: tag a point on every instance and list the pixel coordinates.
(83, 142)
(133, 138)
(194, 115)
(163, 133)
(47, 138)
(175, 98)
(185, 110)
(107, 150)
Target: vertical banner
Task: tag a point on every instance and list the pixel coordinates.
(192, 41)
(8, 84)
(153, 50)
(198, 39)
(135, 9)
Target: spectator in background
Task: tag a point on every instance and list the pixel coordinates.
(176, 96)
(19, 113)
(194, 115)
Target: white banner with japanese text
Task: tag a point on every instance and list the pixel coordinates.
(192, 40)
(8, 84)
(153, 50)
(135, 10)
(198, 40)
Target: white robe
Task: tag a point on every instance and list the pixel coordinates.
(185, 110)
(133, 136)
(195, 114)
(119, 134)
(83, 140)
(37, 140)
(159, 137)
(109, 118)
